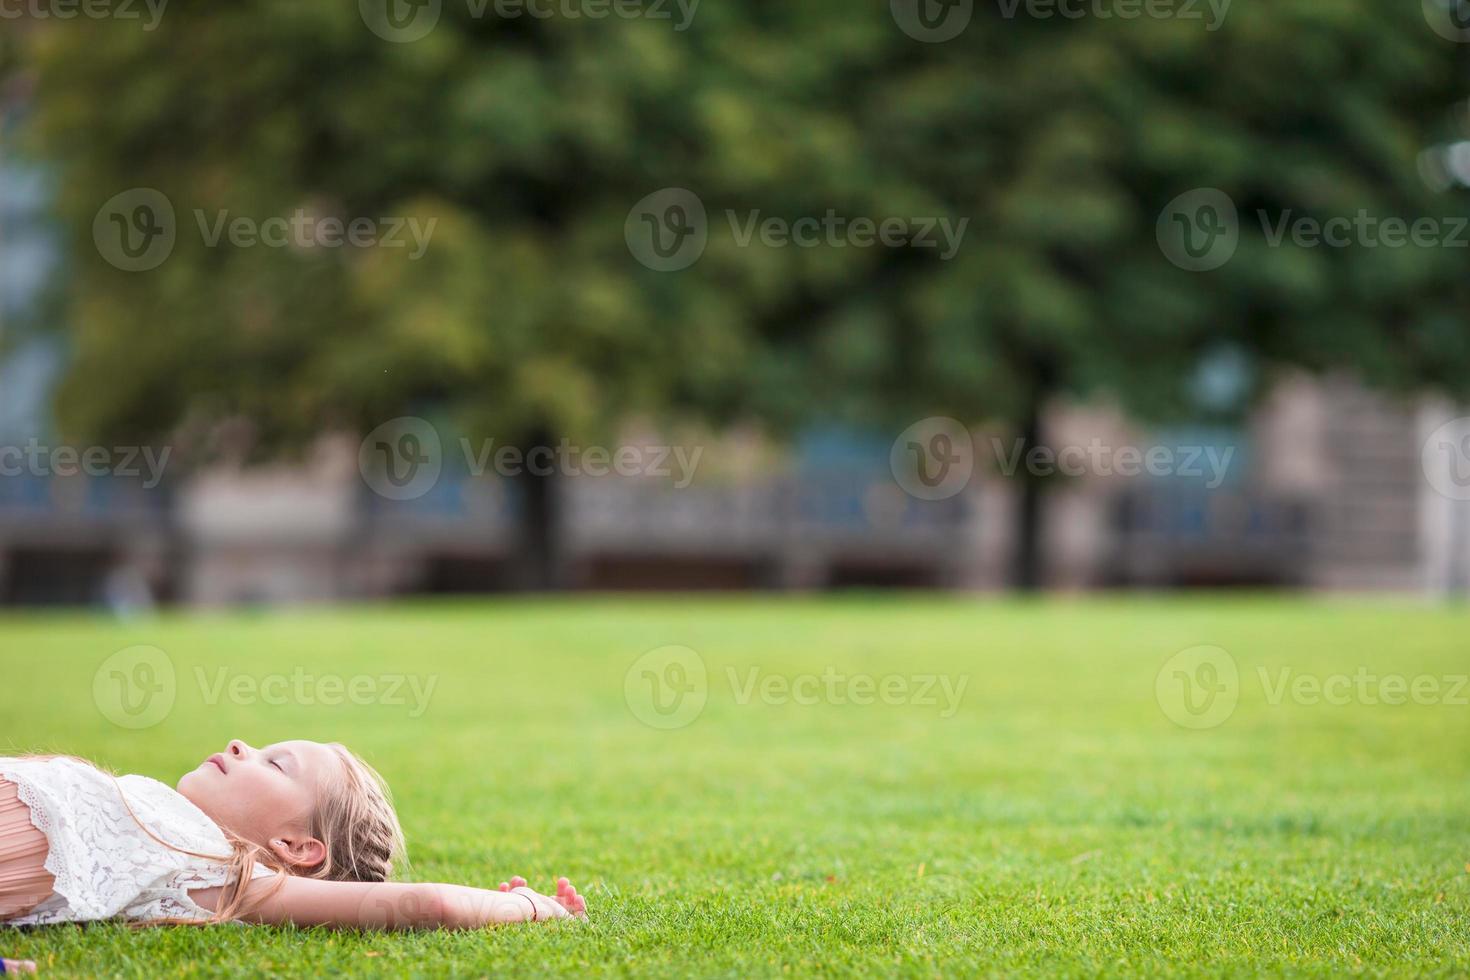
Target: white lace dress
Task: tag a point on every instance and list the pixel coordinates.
(105, 863)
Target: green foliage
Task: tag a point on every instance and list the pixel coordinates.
(1056, 824)
(530, 139)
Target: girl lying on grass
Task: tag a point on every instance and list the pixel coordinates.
(296, 832)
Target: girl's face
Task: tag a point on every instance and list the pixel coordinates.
(266, 795)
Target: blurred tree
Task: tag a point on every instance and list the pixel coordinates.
(529, 139)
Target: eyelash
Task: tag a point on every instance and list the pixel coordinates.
(277, 765)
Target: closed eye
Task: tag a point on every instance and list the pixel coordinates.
(277, 765)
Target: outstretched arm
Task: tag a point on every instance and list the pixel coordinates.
(389, 905)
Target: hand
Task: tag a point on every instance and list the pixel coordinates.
(28, 966)
(566, 904)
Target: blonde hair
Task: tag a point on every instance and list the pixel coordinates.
(356, 821)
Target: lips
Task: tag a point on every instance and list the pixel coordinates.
(217, 760)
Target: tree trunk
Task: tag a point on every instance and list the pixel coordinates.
(1028, 572)
(539, 562)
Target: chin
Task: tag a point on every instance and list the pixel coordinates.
(189, 783)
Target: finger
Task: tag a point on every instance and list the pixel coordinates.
(566, 893)
(518, 882)
(505, 886)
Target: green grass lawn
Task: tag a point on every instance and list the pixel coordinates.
(1053, 821)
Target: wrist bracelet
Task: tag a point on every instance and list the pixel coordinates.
(533, 905)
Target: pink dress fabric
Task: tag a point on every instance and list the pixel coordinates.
(24, 880)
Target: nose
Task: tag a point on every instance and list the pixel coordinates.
(238, 749)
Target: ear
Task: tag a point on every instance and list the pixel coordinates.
(299, 852)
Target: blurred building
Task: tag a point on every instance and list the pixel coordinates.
(315, 531)
(1325, 490)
